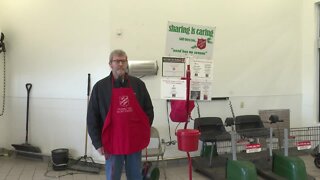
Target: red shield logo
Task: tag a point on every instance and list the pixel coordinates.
(202, 43)
(124, 101)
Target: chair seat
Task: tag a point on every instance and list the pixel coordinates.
(253, 133)
(213, 136)
(211, 129)
(251, 126)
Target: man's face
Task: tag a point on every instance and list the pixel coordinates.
(119, 65)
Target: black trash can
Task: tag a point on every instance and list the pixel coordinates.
(60, 158)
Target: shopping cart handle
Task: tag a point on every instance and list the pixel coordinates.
(274, 119)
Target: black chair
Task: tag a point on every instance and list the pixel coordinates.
(211, 130)
(251, 126)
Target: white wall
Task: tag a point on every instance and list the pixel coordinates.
(310, 62)
(257, 59)
(256, 51)
(3, 118)
(249, 44)
(53, 45)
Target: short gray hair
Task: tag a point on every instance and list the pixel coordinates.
(117, 52)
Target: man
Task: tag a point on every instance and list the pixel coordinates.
(119, 117)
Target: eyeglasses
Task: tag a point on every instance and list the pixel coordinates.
(123, 61)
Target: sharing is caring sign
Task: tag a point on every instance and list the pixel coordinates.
(189, 40)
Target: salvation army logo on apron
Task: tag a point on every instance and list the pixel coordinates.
(124, 101)
(124, 105)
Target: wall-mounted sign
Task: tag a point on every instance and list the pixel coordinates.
(201, 68)
(173, 89)
(200, 90)
(173, 67)
(189, 40)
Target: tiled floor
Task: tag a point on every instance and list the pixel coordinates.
(12, 168)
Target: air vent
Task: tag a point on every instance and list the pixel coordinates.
(143, 68)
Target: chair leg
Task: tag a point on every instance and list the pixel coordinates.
(164, 167)
(213, 147)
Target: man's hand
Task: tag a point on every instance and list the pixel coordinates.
(101, 150)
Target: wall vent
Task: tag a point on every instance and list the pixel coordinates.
(143, 68)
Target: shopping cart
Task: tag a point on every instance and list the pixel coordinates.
(305, 140)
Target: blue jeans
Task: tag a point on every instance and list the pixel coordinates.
(114, 164)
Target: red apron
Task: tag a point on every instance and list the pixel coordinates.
(126, 129)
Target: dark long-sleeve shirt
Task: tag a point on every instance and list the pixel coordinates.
(100, 102)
